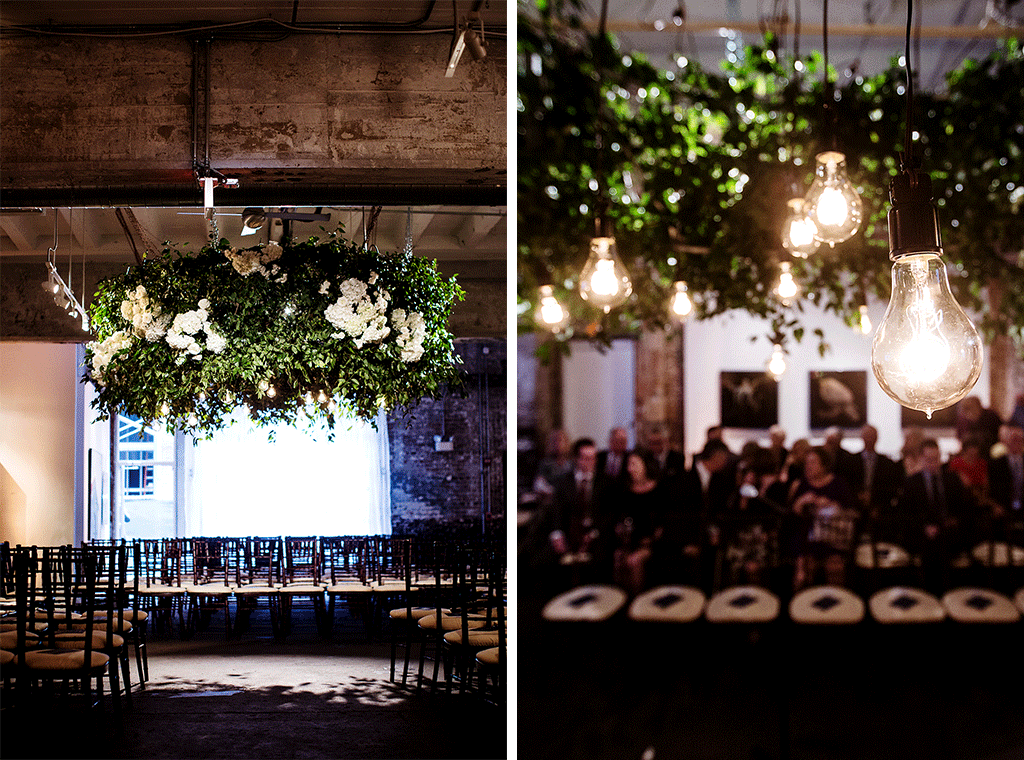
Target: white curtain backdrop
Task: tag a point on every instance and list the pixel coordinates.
(300, 484)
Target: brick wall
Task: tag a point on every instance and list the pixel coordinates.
(446, 489)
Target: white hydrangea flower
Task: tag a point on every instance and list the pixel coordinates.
(412, 331)
(215, 342)
(144, 314)
(126, 309)
(104, 351)
(373, 278)
(247, 262)
(204, 304)
(326, 286)
(156, 329)
(357, 315)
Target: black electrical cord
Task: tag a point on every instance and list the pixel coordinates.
(908, 145)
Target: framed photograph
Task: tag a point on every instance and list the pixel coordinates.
(838, 398)
(943, 418)
(749, 400)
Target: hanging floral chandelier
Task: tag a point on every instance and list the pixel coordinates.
(307, 330)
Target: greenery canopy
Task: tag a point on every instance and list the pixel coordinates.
(693, 170)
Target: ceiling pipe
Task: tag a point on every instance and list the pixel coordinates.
(255, 194)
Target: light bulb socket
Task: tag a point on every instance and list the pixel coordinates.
(913, 218)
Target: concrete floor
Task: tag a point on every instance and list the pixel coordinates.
(257, 698)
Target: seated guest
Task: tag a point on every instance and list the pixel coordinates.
(1006, 476)
(574, 529)
(910, 453)
(793, 467)
(556, 462)
(671, 463)
(845, 464)
(823, 514)
(611, 463)
(750, 522)
(941, 516)
(972, 468)
(878, 476)
(694, 501)
(777, 446)
(975, 421)
(640, 506)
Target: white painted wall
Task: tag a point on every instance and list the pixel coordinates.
(723, 344)
(38, 391)
(598, 389)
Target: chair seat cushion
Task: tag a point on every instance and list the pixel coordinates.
(476, 638)
(979, 605)
(448, 622)
(403, 613)
(65, 661)
(209, 589)
(742, 604)
(257, 591)
(1018, 599)
(388, 587)
(593, 603)
(668, 604)
(132, 616)
(159, 589)
(826, 605)
(302, 589)
(12, 626)
(898, 605)
(998, 554)
(76, 640)
(9, 639)
(119, 624)
(6, 658)
(881, 554)
(351, 587)
(489, 656)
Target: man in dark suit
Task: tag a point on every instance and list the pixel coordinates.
(700, 502)
(611, 463)
(845, 463)
(671, 463)
(1006, 474)
(878, 476)
(941, 515)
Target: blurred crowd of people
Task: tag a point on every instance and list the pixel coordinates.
(768, 514)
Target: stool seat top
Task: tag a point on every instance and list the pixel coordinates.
(881, 554)
(900, 604)
(669, 604)
(743, 604)
(826, 605)
(585, 604)
(979, 605)
(998, 554)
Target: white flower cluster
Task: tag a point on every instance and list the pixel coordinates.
(104, 351)
(184, 332)
(358, 315)
(412, 330)
(247, 262)
(147, 317)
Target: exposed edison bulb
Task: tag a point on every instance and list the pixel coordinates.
(777, 363)
(604, 281)
(798, 231)
(202, 396)
(192, 420)
(865, 325)
(263, 385)
(927, 354)
(786, 289)
(682, 306)
(550, 314)
(271, 391)
(322, 397)
(833, 205)
(164, 409)
(308, 398)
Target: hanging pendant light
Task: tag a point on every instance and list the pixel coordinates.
(550, 314)
(777, 362)
(681, 306)
(927, 354)
(604, 281)
(798, 232)
(833, 204)
(864, 323)
(787, 288)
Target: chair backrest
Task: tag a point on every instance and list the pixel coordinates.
(160, 562)
(347, 559)
(215, 560)
(303, 560)
(261, 561)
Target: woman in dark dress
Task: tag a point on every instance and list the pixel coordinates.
(640, 506)
(823, 508)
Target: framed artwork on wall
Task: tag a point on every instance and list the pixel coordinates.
(838, 398)
(750, 400)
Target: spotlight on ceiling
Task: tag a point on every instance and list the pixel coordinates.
(253, 219)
